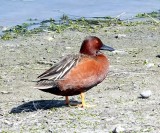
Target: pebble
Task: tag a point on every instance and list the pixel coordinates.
(121, 52)
(149, 65)
(49, 38)
(158, 56)
(120, 36)
(146, 94)
(5, 92)
(118, 129)
(68, 47)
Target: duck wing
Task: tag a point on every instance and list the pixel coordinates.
(57, 72)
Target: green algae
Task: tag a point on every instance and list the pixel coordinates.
(145, 15)
(65, 23)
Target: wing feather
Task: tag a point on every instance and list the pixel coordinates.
(48, 78)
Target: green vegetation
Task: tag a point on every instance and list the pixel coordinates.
(65, 23)
(145, 15)
(18, 30)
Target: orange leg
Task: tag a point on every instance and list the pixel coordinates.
(83, 104)
(67, 100)
(83, 99)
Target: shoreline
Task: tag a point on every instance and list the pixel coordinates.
(34, 26)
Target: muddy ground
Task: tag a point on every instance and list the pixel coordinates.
(134, 68)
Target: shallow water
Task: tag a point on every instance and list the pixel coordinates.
(13, 12)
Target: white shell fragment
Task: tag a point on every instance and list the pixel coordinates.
(146, 94)
(121, 52)
(149, 65)
(5, 92)
(68, 47)
(49, 38)
(120, 36)
(118, 129)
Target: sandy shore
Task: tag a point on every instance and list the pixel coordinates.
(134, 68)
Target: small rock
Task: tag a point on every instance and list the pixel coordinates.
(118, 129)
(50, 131)
(68, 47)
(120, 36)
(158, 56)
(149, 65)
(5, 92)
(146, 94)
(122, 52)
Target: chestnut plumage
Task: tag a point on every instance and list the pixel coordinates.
(76, 74)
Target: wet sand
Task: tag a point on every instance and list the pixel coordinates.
(134, 68)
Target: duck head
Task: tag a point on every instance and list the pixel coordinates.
(92, 45)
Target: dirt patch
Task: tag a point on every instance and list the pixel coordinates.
(134, 68)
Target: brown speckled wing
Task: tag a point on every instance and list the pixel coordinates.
(48, 78)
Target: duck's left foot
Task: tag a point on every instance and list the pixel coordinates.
(85, 106)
